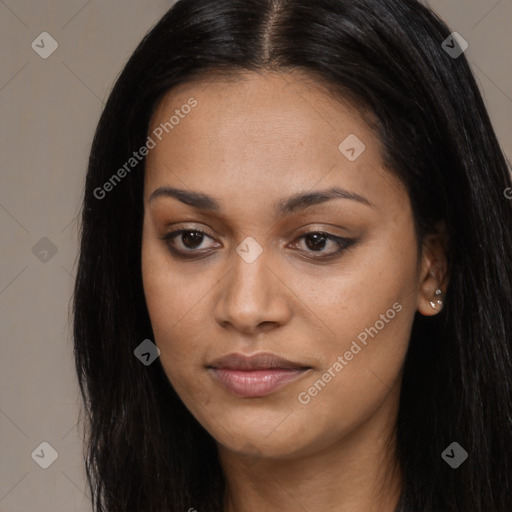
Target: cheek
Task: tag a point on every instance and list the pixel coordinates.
(170, 290)
(369, 312)
(175, 300)
(177, 334)
(366, 286)
(361, 365)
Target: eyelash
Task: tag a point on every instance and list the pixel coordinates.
(343, 243)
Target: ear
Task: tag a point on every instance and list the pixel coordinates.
(433, 275)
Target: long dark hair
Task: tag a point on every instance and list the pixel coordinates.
(144, 450)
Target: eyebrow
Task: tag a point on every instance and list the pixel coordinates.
(285, 206)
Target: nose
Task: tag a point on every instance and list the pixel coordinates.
(253, 297)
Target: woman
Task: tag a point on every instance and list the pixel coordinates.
(294, 289)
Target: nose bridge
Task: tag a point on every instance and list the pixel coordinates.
(251, 293)
(250, 283)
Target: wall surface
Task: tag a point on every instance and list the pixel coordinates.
(49, 109)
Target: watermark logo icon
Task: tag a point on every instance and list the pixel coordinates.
(146, 352)
(254, 455)
(45, 455)
(352, 147)
(44, 250)
(454, 455)
(44, 45)
(249, 250)
(455, 45)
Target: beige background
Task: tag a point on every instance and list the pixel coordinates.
(49, 109)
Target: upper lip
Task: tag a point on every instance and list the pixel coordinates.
(260, 361)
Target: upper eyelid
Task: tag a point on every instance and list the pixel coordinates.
(340, 241)
(311, 228)
(174, 227)
(207, 233)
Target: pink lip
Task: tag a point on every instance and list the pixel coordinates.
(257, 375)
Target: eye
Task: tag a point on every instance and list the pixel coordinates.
(182, 241)
(317, 241)
(190, 243)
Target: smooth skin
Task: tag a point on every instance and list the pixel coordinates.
(250, 143)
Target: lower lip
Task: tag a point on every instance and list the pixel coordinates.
(256, 383)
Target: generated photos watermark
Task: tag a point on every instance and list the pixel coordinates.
(305, 397)
(151, 143)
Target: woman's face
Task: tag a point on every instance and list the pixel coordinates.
(329, 283)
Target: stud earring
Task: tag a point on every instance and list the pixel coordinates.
(437, 303)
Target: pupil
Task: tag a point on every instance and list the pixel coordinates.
(319, 241)
(193, 238)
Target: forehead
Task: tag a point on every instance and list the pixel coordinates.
(260, 134)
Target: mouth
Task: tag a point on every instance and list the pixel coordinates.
(255, 376)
